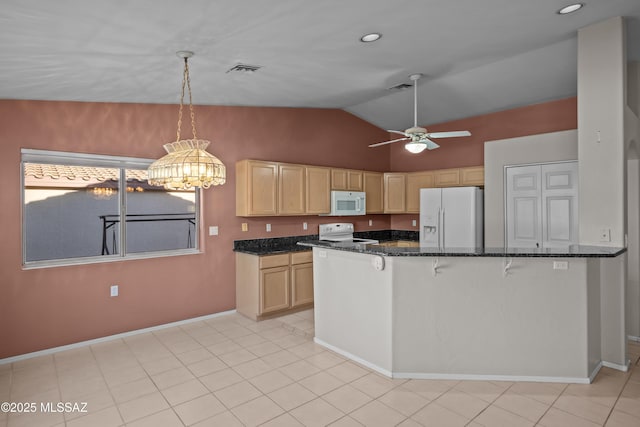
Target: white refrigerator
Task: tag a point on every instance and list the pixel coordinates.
(451, 217)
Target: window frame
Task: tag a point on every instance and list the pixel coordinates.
(28, 155)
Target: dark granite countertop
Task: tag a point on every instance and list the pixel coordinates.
(574, 251)
(289, 244)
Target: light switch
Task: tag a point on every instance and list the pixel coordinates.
(245, 226)
(213, 230)
(305, 226)
(114, 291)
(370, 222)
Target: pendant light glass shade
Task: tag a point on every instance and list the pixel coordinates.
(415, 147)
(187, 164)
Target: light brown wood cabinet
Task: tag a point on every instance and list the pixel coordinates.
(317, 190)
(301, 278)
(272, 188)
(291, 189)
(416, 181)
(271, 284)
(373, 186)
(473, 176)
(346, 180)
(395, 192)
(447, 177)
(256, 188)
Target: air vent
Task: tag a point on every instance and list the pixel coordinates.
(244, 68)
(401, 86)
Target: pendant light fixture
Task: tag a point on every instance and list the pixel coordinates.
(187, 164)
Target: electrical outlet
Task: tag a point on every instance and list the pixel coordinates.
(268, 228)
(414, 223)
(370, 222)
(114, 290)
(213, 230)
(560, 265)
(245, 226)
(305, 226)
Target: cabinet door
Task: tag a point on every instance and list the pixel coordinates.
(339, 179)
(373, 186)
(291, 194)
(301, 284)
(274, 289)
(394, 192)
(317, 190)
(447, 177)
(354, 180)
(416, 181)
(473, 176)
(256, 188)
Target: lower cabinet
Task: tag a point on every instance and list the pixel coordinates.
(273, 284)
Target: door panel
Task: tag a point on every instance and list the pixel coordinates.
(542, 205)
(560, 204)
(523, 207)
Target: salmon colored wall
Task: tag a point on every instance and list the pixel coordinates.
(44, 308)
(469, 151)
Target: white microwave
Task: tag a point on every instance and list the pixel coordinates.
(347, 203)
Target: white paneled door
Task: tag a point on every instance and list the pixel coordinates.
(542, 205)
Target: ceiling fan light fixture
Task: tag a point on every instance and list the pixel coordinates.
(415, 147)
(371, 37)
(570, 8)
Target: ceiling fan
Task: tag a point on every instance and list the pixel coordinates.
(418, 137)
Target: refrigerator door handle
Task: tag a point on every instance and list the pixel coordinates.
(442, 228)
(439, 227)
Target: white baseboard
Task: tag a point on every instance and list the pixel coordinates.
(356, 359)
(429, 376)
(111, 337)
(619, 367)
(633, 338)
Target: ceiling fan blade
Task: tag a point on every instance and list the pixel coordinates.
(430, 144)
(398, 132)
(387, 142)
(452, 134)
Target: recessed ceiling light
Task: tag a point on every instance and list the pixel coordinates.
(371, 37)
(570, 8)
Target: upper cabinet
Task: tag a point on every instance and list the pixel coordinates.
(346, 179)
(291, 189)
(273, 188)
(317, 190)
(416, 181)
(256, 188)
(373, 186)
(447, 177)
(473, 176)
(395, 192)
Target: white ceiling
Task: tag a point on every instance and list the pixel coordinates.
(477, 56)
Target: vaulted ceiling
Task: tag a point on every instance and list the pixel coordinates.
(476, 56)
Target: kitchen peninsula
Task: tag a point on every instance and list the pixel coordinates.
(493, 314)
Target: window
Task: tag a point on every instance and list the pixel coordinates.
(75, 205)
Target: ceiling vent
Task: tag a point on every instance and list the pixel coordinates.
(244, 68)
(401, 86)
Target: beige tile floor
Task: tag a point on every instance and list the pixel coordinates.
(231, 371)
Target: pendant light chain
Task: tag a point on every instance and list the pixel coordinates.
(187, 164)
(193, 116)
